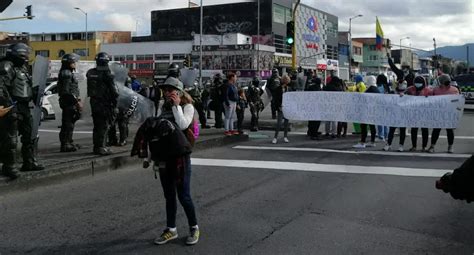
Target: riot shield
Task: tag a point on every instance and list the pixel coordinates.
(136, 107)
(40, 74)
(188, 76)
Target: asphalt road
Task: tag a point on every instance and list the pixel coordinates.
(304, 197)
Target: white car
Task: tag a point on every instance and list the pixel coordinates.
(47, 111)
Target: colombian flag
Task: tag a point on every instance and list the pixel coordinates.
(379, 35)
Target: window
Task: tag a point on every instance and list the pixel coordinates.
(179, 56)
(288, 15)
(80, 52)
(161, 68)
(144, 65)
(44, 53)
(372, 47)
(162, 57)
(76, 36)
(279, 14)
(373, 58)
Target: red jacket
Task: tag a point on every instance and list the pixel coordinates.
(426, 91)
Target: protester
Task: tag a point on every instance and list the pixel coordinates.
(444, 88)
(273, 84)
(240, 110)
(372, 88)
(175, 171)
(359, 87)
(342, 126)
(419, 89)
(334, 85)
(278, 98)
(400, 90)
(313, 126)
(230, 104)
(383, 87)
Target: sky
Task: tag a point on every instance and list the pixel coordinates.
(451, 22)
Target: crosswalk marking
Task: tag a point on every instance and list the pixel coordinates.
(57, 131)
(313, 167)
(385, 153)
(441, 136)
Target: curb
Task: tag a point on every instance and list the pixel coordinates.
(90, 167)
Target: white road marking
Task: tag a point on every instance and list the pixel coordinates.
(57, 131)
(385, 153)
(312, 167)
(441, 136)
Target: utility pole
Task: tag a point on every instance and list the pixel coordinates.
(200, 46)
(435, 67)
(467, 57)
(293, 48)
(350, 44)
(258, 40)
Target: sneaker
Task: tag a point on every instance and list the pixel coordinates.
(412, 149)
(235, 132)
(371, 145)
(359, 146)
(227, 133)
(431, 149)
(285, 139)
(450, 149)
(387, 147)
(274, 141)
(424, 149)
(193, 237)
(400, 149)
(166, 236)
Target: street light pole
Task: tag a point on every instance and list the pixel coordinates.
(200, 45)
(258, 40)
(401, 39)
(350, 44)
(435, 67)
(293, 48)
(86, 37)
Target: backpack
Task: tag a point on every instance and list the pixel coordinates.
(192, 132)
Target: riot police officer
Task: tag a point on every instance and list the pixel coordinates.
(196, 94)
(17, 89)
(217, 100)
(173, 71)
(103, 98)
(273, 84)
(69, 101)
(255, 102)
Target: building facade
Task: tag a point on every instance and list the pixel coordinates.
(7, 38)
(374, 61)
(406, 57)
(55, 45)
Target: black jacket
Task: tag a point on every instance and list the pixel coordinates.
(372, 89)
(278, 95)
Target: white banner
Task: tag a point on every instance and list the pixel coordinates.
(379, 109)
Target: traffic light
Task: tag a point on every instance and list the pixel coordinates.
(290, 32)
(28, 13)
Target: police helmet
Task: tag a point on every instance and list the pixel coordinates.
(275, 71)
(173, 70)
(102, 59)
(19, 51)
(69, 58)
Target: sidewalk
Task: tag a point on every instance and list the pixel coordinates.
(60, 166)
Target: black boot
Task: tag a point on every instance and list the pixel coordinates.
(103, 151)
(68, 147)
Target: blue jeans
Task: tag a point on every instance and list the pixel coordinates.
(382, 132)
(171, 186)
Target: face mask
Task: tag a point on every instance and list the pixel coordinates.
(418, 85)
(402, 86)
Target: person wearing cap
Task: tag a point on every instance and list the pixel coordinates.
(444, 88)
(359, 87)
(177, 108)
(420, 88)
(371, 88)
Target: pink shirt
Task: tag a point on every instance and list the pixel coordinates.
(442, 90)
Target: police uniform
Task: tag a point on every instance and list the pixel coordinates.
(255, 102)
(103, 99)
(16, 88)
(68, 91)
(273, 84)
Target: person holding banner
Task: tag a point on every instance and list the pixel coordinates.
(359, 87)
(419, 89)
(335, 84)
(444, 88)
(278, 99)
(372, 88)
(313, 126)
(383, 87)
(400, 89)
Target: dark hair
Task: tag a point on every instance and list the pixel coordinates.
(230, 75)
(382, 79)
(420, 79)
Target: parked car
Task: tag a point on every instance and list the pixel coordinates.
(47, 111)
(466, 84)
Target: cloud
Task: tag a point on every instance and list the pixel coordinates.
(118, 21)
(58, 16)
